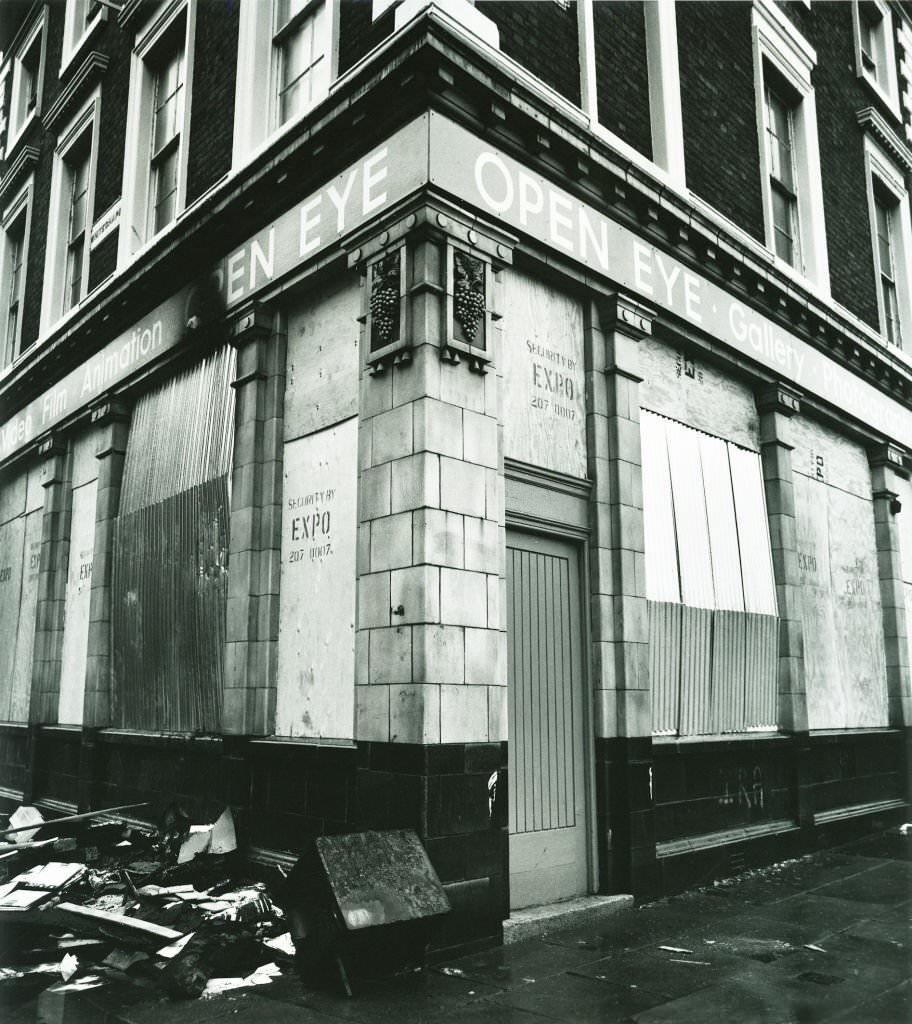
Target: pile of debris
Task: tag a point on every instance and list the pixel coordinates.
(177, 907)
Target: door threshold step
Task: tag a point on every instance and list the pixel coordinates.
(534, 922)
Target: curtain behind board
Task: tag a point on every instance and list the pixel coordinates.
(170, 575)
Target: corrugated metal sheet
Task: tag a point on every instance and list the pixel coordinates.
(694, 558)
(753, 531)
(181, 434)
(665, 665)
(761, 672)
(662, 582)
(723, 529)
(541, 687)
(696, 671)
(170, 587)
(170, 574)
(729, 647)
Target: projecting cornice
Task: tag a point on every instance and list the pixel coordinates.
(26, 158)
(85, 77)
(876, 124)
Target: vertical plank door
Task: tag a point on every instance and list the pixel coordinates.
(547, 743)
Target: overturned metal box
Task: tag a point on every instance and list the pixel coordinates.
(364, 904)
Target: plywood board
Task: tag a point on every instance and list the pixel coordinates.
(322, 372)
(859, 618)
(316, 686)
(696, 393)
(12, 494)
(78, 594)
(12, 545)
(21, 686)
(692, 530)
(904, 526)
(845, 671)
(662, 580)
(822, 454)
(544, 380)
(85, 464)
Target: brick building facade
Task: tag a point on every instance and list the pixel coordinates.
(492, 420)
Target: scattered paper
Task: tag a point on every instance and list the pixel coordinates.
(281, 944)
(905, 830)
(173, 948)
(817, 949)
(197, 842)
(698, 963)
(52, 875)
(261, 976)
(675, 949)
(25, 816)
(454, 972)
(22, 899)
(69, 965)
(224, 839)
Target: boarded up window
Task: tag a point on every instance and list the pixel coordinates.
(904, 524)
(713, 662)
(21, 500)
(844, 662)
(316, 687)
(170, 577)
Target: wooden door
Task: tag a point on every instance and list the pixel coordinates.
(549, 843)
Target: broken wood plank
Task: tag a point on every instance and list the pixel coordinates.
(142, 929)
(67, 818)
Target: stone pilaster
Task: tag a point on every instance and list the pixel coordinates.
(52, 580)
(252, 622)
(776, 405)
(618, 592)
(113, 421)
(431, 646)
(886, 465)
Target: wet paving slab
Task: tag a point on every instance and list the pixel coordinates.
(888, 883)
(521, 963)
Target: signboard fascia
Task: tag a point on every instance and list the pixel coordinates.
(433, 150)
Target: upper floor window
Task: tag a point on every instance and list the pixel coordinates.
(295, 43)
(28, 75)
(158, 118)
(789, 155)
(302, 60)
(70, 215)
(780, 139)
(14, 234)
(891, 243)
(167, 122)
(81, 17)
(875, 54)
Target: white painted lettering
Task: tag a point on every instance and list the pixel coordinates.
(531, 197)
(498, 205)
(692, 298)
(339, 200)
(265, 261)
(669, 279)
(309, 223)
(588, 238)
(235, 275)
(559, 220)
(375, 171)
(642, 269)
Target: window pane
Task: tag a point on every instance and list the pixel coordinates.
(303, 74)
(73, 290)
(165, 190)
(168, 102)
(891, 311)
(78, 197)
(784, 225)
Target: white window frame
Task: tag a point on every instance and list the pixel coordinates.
(779, 43)
(53, 304)
(256, 96)
(21, 206)
(36, 33)
(880, 167)
(882, 78)
(74, 40)
(663, 71)
(136, 232)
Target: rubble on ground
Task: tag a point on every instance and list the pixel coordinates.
(176, 907)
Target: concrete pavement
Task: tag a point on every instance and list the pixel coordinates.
(824, 938)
